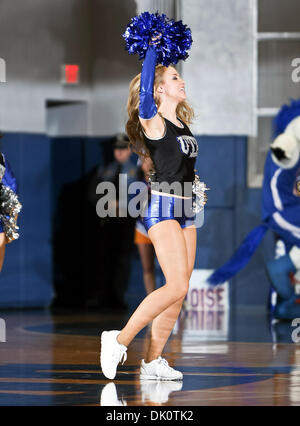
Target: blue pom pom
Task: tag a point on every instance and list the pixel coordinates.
(175, 41)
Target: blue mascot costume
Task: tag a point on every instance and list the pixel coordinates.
(280, 213)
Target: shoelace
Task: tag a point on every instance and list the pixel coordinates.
(124, 356)
(164, 362)
(119, 355)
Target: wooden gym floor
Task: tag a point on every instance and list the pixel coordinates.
(236, 359)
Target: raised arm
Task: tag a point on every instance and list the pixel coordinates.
(150, 120)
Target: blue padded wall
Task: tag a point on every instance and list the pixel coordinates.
(43, 167)
(26, 278)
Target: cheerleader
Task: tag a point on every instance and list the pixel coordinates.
(9, 207)
(158, 121)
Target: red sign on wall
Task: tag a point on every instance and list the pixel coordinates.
(70, 74)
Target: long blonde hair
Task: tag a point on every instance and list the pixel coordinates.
(133, 126)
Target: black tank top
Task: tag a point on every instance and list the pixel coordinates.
(174, 156)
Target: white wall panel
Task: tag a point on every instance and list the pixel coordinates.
(219, 71)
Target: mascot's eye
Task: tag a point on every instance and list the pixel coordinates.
(279, 153)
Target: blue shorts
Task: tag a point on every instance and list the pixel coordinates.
(165, 207)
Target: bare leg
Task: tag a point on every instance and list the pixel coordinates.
(146, 252)
(163, 324)
(2, 249)
(170, 247)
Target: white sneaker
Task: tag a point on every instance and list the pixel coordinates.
(112, 353)
(159, 369)
(109, 396)
(158, 391)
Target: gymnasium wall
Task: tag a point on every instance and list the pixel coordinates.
(43, 166)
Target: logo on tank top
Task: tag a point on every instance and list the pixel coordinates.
(188, 145)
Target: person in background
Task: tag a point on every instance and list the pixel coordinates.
(116, 234)
(143, 242)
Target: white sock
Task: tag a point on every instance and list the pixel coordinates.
(295, 256)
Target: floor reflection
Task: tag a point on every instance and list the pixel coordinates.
(150, 392)
(158, 392)
(109, 396)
